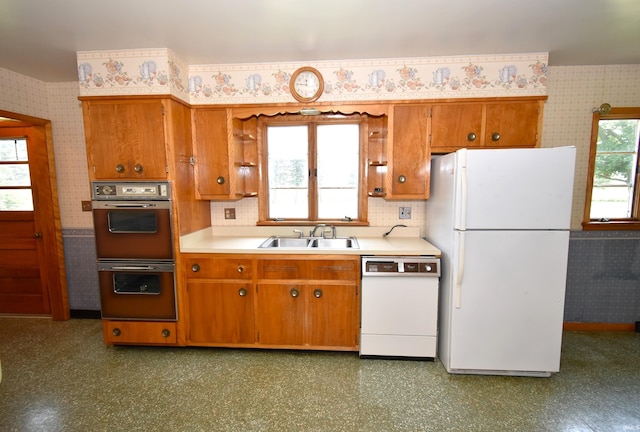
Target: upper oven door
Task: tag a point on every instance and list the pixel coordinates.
(133, 230)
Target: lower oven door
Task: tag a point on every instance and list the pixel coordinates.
(137, 290)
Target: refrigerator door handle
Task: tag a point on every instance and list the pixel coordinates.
(460, 275)
(461, 217)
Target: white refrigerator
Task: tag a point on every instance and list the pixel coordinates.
(501, 219)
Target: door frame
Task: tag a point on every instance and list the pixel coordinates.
(47, 217)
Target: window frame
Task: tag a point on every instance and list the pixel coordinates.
(633, 223)
(298, 119)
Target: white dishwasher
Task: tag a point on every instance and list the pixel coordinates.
(399, 315)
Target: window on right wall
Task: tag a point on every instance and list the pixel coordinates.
(613, 184)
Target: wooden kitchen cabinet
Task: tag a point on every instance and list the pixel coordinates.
(225, 155)
(486, 124)
(377, 156)
(408, 153)
(220, 300)
(125, 138)
(139, 333)
(309, 303)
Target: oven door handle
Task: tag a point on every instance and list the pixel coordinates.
(136, 205)
(125, 268)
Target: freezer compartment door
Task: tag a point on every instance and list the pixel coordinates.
(515, 188)
(509, 309)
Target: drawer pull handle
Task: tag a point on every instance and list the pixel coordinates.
(138, 168)
(495, 136)
(116, 332)
(195, 268)
(220, 180)
(317, 293)
(120, 168)
(402, 179)
(294, 292)
(242, 292)
(166, 333)
(241, 269)
(471, 137)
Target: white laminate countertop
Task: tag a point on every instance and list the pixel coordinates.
(402, 241)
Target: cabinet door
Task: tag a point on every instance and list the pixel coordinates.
(455, 126)
(333, 315)
(211, 152)
(220, 312)
(280, 314)
(409, 178)
(139, 332)
(125, 139)
(512, 124)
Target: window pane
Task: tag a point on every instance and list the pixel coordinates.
(338, 164)
(13, 150)
(615, 169)
(15, 175)
(16, 200)
(288, 155)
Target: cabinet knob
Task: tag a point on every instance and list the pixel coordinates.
(495, 136)
(241, 269)
(120, 168)
(138, 168)
(116, 331)
(166, 333)
(37, 235)
(242, 292)
(471, 137)
(294, 292)
(195, 268)
(317, 293)
(220, 180)
(402, 179)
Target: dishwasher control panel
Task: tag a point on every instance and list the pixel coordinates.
(401, 266)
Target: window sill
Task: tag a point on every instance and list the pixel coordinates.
(611, 226)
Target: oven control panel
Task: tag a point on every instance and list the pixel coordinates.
(130, 190)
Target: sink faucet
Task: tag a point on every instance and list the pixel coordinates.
(299, 232)
(313, 231)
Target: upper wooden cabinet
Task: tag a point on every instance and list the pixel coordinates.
(408, 153)
(487, 124)
(225, 155)
(125, 139)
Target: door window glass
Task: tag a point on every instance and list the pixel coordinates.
(15, 177)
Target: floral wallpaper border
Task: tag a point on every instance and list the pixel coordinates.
(136, 72)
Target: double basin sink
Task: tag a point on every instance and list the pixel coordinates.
(311, 242)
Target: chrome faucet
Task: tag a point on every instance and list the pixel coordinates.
(313, 231)
(299, 232)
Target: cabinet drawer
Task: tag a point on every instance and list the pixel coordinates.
(222, 268)
(136, 332)
(330, 269)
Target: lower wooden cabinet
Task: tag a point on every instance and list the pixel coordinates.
(272, 302)
(139, 332)
(220, 312)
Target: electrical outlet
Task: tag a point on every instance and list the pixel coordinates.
(230, 213)
(405, 212)
(86, 205)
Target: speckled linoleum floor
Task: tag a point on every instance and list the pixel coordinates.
(59, 376)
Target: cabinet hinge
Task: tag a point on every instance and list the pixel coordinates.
(192, 160)
(162, 109)
(166, 168)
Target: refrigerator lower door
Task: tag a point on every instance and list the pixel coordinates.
(507, 319)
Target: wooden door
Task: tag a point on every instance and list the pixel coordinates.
(221, 312)
(280, 314)
(32, 276)
(411, 158)
(125, 139)
(332, 316)
(515, 123)
(455, 126)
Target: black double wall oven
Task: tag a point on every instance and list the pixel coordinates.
(134, 247)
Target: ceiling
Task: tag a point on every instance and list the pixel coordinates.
(40, 38)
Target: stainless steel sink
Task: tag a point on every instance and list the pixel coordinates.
(335, 243)
(285, 242)
(314, 242)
